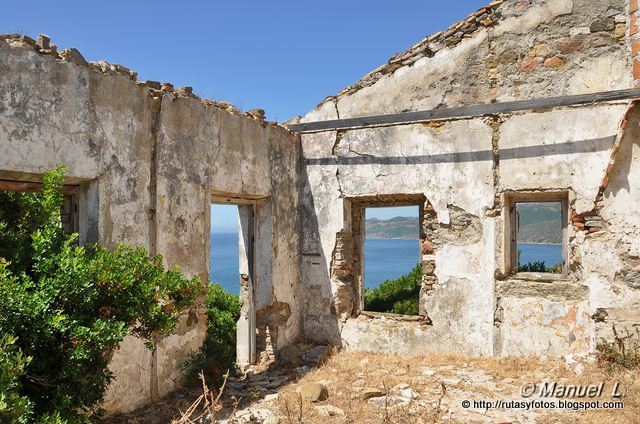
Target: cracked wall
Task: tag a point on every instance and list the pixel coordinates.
(511, 50)
(153, 157)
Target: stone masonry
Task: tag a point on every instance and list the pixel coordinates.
(146, 160)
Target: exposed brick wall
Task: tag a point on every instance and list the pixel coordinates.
(634, 38)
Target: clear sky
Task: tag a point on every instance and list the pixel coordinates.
(224, 218)
(283, 56)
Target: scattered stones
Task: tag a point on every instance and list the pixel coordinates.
(408, 394)
(387, 400)
(329, 411)
(314, 392)
(371, 393)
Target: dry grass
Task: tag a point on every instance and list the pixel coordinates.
(348, 374)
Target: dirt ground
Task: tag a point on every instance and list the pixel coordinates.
(350, 387)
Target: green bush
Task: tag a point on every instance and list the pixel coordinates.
(539, 266)
(399, 296)
(14, 407)
(218, 352)
(69, 306)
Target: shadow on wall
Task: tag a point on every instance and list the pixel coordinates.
(320, 321)
(569, 147)
(619, 180)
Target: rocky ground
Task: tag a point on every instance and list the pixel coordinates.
(348, 387)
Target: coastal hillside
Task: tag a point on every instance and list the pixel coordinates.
(539, 223)
(400, 227)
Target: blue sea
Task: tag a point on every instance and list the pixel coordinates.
(384, 259)
(224, 261)
(550, 254)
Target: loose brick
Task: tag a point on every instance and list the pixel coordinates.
(636, 70)
(635, 48)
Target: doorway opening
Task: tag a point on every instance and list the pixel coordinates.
(231, 276)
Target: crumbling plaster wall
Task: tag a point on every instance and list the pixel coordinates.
(156, 157)
(513, 50)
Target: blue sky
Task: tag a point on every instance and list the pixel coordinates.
(281, 56)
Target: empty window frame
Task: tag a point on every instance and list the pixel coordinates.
(392, 271)
(537, 231)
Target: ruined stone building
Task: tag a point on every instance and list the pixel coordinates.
(505, 112)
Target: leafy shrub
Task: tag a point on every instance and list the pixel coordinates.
(622, 352)
(14, 407)
(539, 266)
(399, 296)
(218, 352)
(69, 306)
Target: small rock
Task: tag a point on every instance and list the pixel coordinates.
(74, 56)
(271, 397)
(371, 393)
(257, 113)
(303, 369)
(620, 31)
(329, 411)
(314, 392)
(401, 386)
(502, 420)
(451, 381)
(387, 400)
(428, 372)
(408, 394)
(44, 42)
